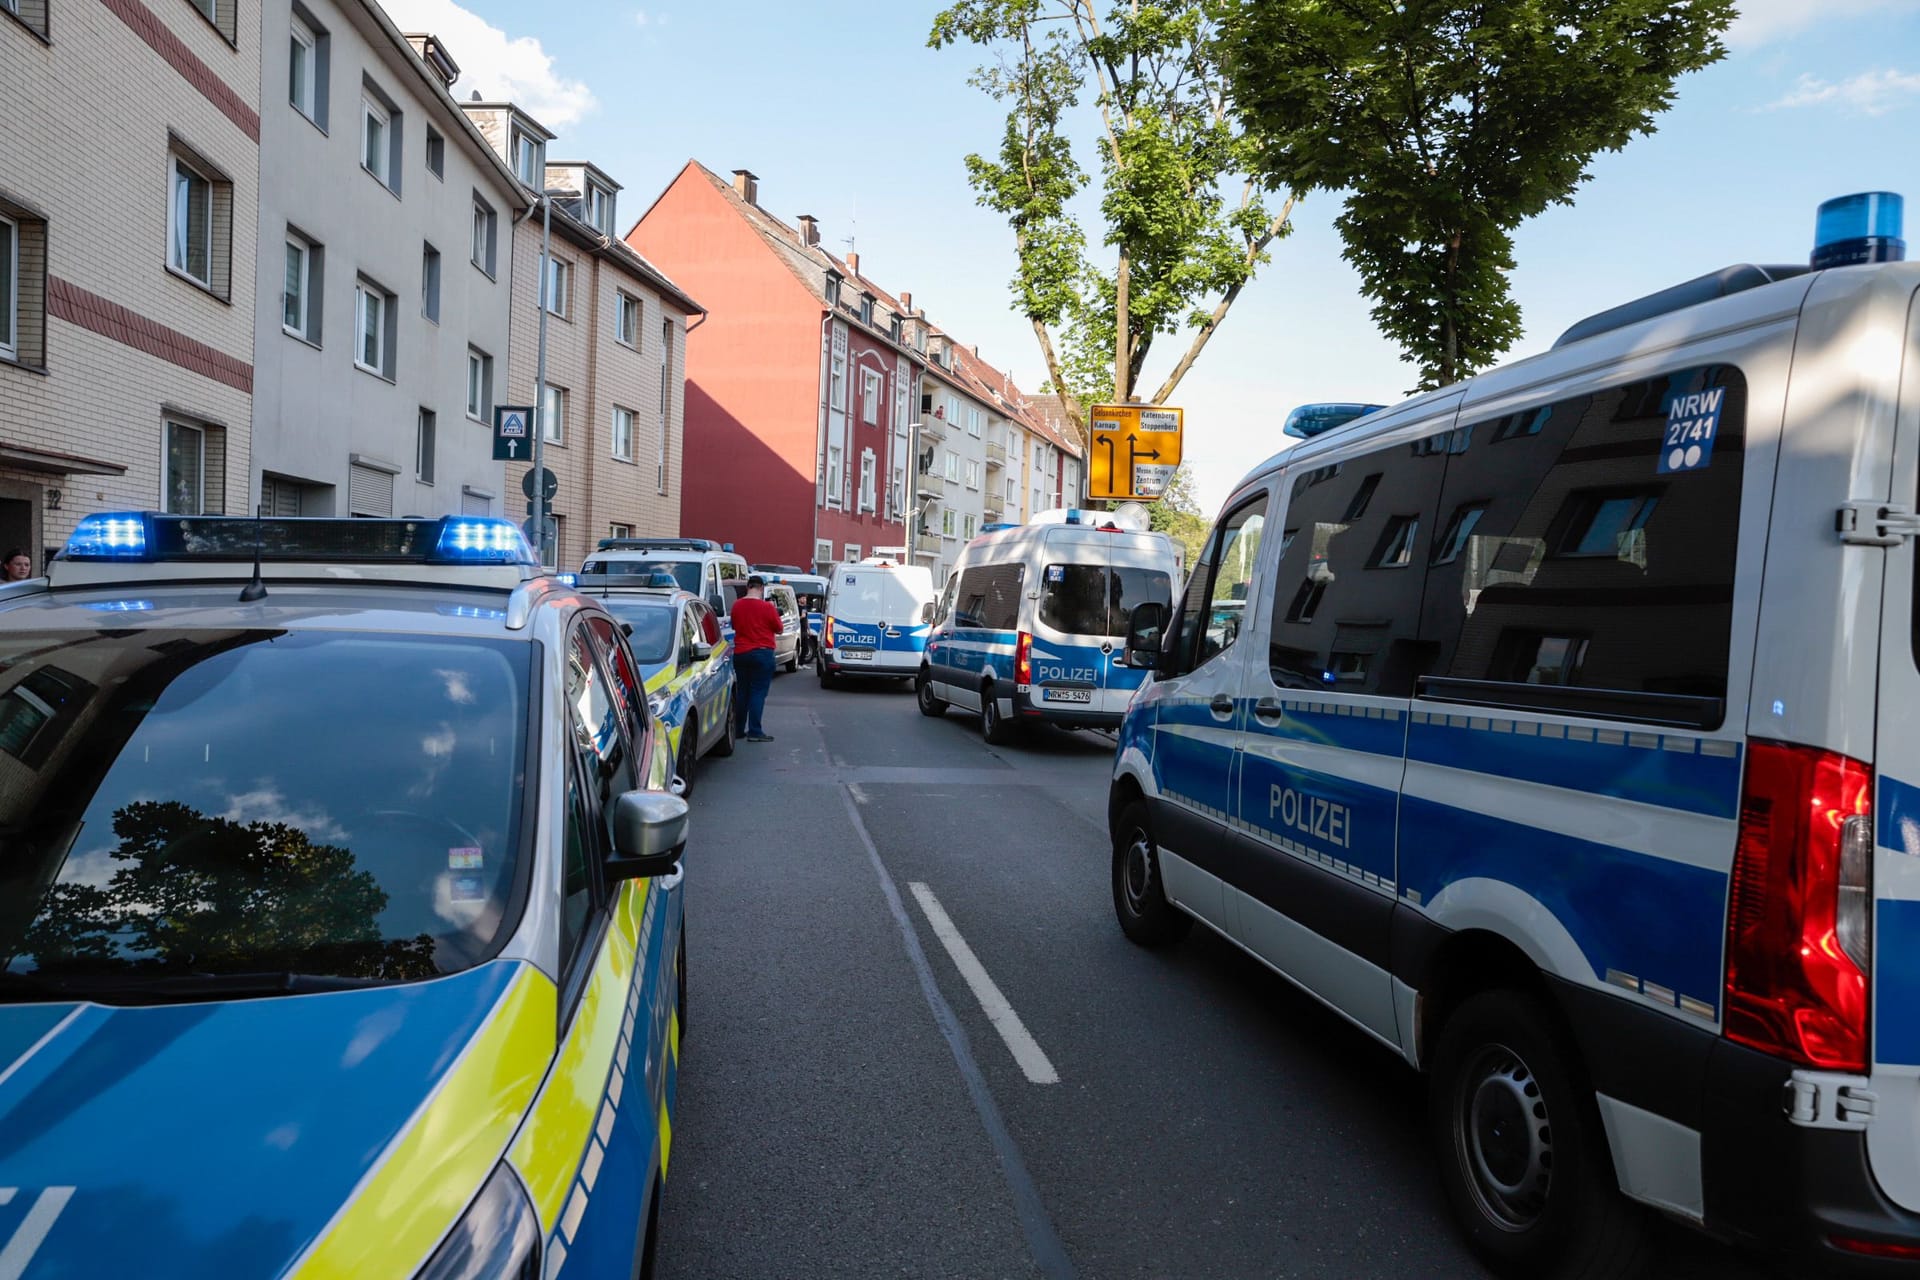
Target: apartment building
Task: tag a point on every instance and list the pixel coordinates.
(614, 415)
(387, 223)
(128, 201)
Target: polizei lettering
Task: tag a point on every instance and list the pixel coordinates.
(1047, 673)
(1313, 816)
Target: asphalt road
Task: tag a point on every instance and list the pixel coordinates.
(847, 1108)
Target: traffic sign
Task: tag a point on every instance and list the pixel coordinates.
(543, 539)
(512, 433)
(1136, 448)
(549, 484)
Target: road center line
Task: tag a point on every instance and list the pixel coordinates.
(1020, 1042)
(1049, 1252)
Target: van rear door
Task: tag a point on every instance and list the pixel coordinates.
(1141, 573)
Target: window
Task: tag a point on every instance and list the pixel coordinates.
(1529, 657)
(867, 500)
(600, 209)
(617, 530)
(822, 555)
(436, 153)
(949, 527)
(626, 319)
(190, 223)
(1518, 426)
(1602, 524)
(893, 330)
(623, 434)
(9, 288)
(553, 415)
(373, 329)
(303, 71)
(376, 140)
(833, 477)
(1459, 529)
(423, 446)
(869, 396)
(833, 288)
(976, 419)
(1362, 496)
(967, 527)
(300, 295)
(559, 281)
(1093, 600)
(186, 469)
(952, 465)
(989, 596)
(866, 308)
(430, 283)
(221, 14)
(485, 234)
(31, 13)
(1216, 600)
(1396, 544)
(973, 474)
(527, 165)
(479, 384)
(839, 388)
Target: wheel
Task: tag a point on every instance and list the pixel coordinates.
(689, 754)
(1139, 900)
(827, 679)
(793, 661)
(994, 727)
(724, 747)
(1521, 1151)
(923, 693)
(650, 1246)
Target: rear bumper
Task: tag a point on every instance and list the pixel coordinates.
(893, 669)
(1787, 1189)
(1026, 707)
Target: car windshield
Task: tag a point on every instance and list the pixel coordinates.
(685, 572)
(653, 623)
(194, 803)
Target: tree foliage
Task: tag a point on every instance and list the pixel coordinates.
(1178, 514)
(1450, 122)
(1185, 227)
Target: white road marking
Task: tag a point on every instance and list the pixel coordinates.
(858, 794)
(1026, 1051)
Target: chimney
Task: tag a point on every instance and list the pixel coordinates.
(809, 230)
(906, 303)
(853, 262)
(747, 185)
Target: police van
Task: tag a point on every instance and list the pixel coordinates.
(698, 565)
(876, 620)
(1031, 622)
(1556, 729)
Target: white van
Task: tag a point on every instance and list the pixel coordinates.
(697, 564)
(1031, 622)
(1557, 729)
(876, 620)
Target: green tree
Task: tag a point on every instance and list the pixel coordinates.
(1449, 123)
(1185, 226)
(1178, 514)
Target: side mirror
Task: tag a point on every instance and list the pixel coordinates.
(702, 651)
(626, 628)
(1145, 627)
(926, 612)
(649, 831)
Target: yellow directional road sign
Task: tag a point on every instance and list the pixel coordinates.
(1135, 449)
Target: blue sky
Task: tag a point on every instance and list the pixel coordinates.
(844, 113)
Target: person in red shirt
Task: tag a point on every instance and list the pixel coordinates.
(756, 626)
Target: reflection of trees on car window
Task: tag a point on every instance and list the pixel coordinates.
(203, 894)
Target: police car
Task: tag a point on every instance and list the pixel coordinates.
(684, 660)
(698, 565)
(340, 909)
(1556, 729)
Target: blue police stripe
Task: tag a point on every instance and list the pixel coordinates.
(1658, 920)
(1896, 986)
(1897, 824)
(1686, 781)
(1360, 835)
(1194, 769)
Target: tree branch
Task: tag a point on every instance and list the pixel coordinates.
(1205, 332)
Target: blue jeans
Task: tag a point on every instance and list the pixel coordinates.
(753, 676)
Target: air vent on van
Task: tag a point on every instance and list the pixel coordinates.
(1716, 284)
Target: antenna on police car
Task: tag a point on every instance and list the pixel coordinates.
(255, 590)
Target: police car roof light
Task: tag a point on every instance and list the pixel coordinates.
(1864, 227)
(482, 540)
(152, 537)
(109, 535)
(1310, 420)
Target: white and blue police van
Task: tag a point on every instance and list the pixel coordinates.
(1031, 623)
(1557, 730)
(876, 620)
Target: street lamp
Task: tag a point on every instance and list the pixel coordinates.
(548, 196)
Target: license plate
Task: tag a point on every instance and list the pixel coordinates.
(1066, 695)
(856, 655)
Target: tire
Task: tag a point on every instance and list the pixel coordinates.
(724, 748)
(689, 754)
(923, 694)
(827, 679)
(994, 727)
(645, 1268)
(1521, 1151)
(1139, 899)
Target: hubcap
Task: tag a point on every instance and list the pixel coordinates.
(1137, 871)
(1504, 1139)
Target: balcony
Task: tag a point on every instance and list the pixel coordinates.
(929, 485)
(932, 428)
(996, 454)
(926, 544)
(996, 508)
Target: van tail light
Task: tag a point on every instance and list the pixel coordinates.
(826, 634)
(1798, 922)
(1023, 659)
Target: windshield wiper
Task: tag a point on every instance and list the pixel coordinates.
(172, 988)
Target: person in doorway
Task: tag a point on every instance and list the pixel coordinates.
(756, 627)
(17, 567)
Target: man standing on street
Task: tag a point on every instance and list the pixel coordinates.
(756, 626)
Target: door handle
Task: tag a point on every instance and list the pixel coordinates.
(1221, 706)
(1268, 711)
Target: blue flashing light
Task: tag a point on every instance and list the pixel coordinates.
(482, 540)
(1864, 227)
(997, 528)
(119, 606)
(470, 611)
(1310, 420)
(109, 535)
(567, 578)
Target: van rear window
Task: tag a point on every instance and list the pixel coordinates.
(1093, 600)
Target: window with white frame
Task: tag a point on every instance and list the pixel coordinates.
(479, 384)
(423, 445)
(839, 400)
(623, 433)
(376, 140)
(867, 495)
(186, 469)
(869, 396)
(626, 319)
(31, 13)
(221, 13)
(600, 208)
(852, 550)
(952, 465)
(528, 163)
(303, 71)
(834, 479)
(485, 234)
(618, 530)
(430, 282)
(190, 223)
(947, 525)
(973, 474)
(953, 410)
(373, 329)
(822, 555)
(975, 419)
(967, 527)
(9, 288)
(559, 282)
(553, 415)
(299, 302)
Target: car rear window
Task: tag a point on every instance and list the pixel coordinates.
(1093, 600)
(253, 801)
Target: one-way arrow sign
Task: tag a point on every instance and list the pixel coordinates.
(512, 432)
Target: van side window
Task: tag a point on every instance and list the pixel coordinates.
(1346, 602)
(989, 597)
(1590, 545)
(1216, 600)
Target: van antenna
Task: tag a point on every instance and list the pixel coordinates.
(255, 590)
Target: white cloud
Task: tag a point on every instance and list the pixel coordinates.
(267, 803)
(500, 66)
(1871, 93)
(1762, 21)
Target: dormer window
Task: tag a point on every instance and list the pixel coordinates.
(866, 308)
(893, 330)
(600, 209)
(833, 288)
(528, 164)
